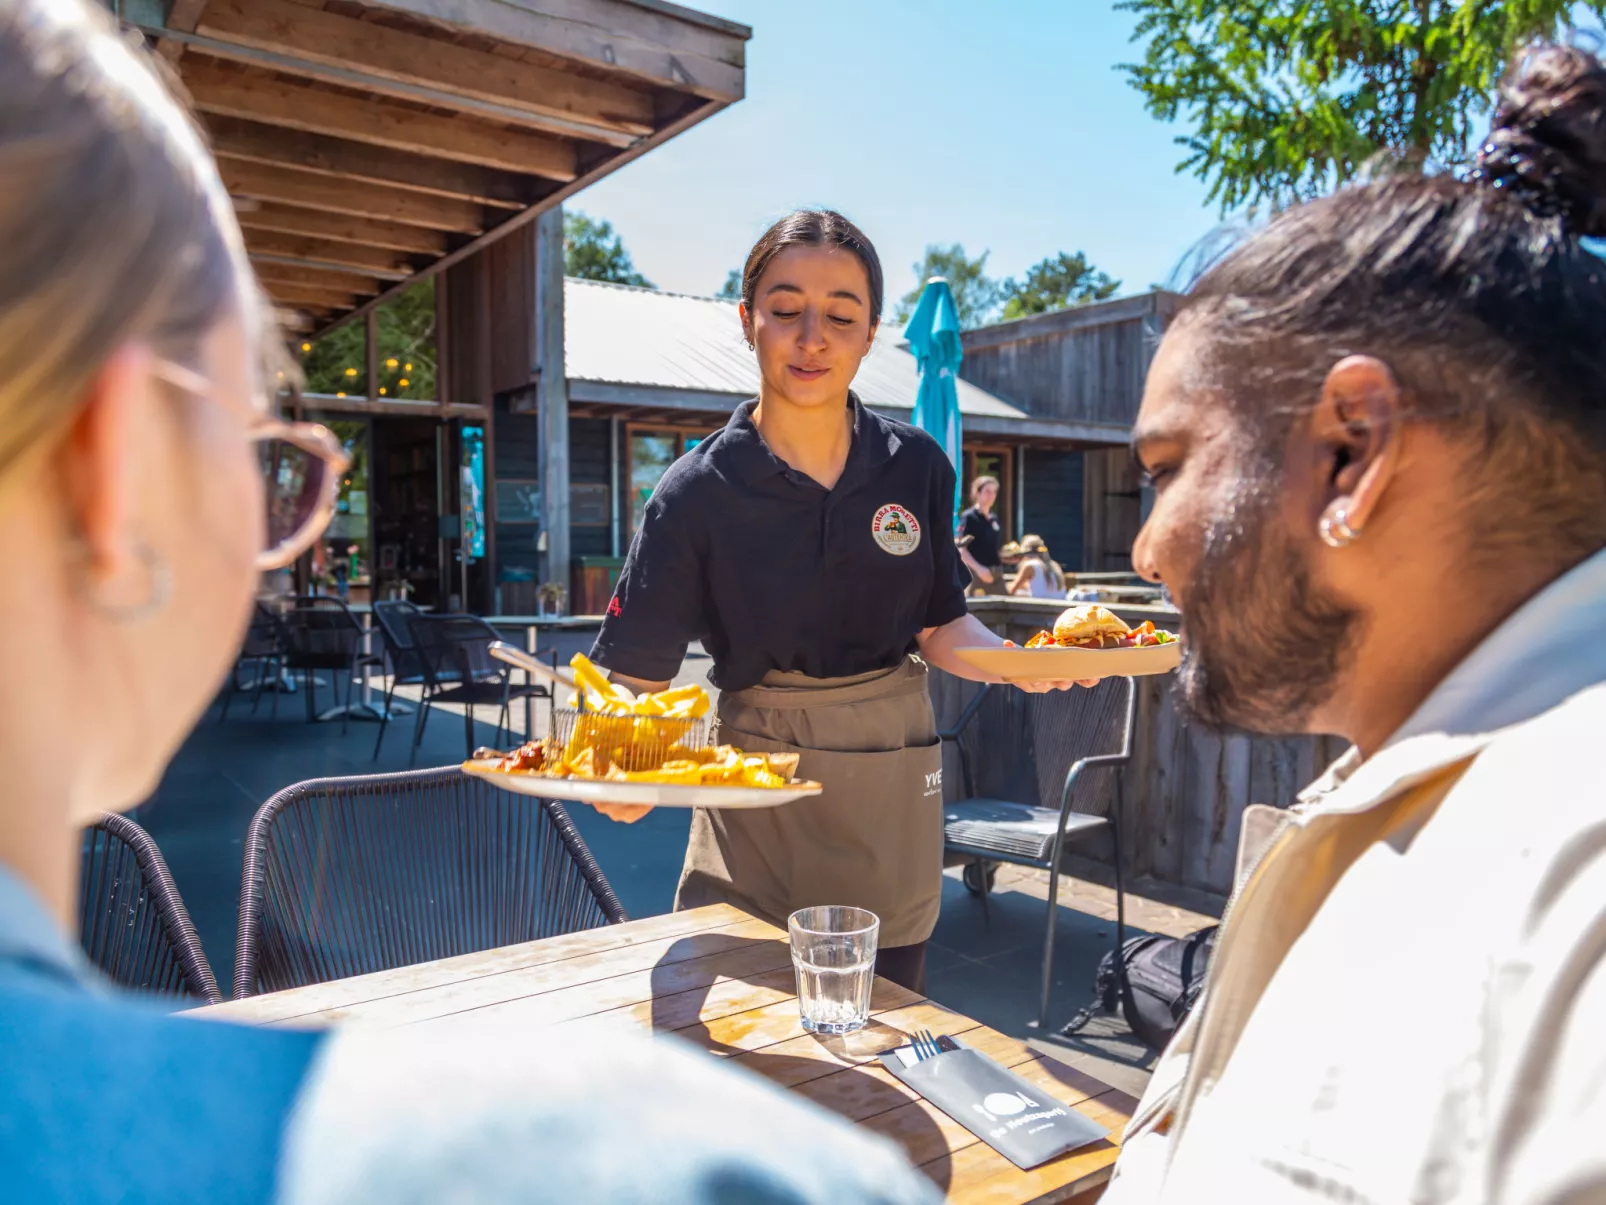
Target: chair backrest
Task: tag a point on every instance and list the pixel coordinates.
(344, 876)
(1020, 746)
(132, 924)
(318, 627)
(262, 638)
(394, 619)
(457, 648)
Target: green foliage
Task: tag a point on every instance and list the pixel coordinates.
(592, 251)
(1056, 283)
(1291, 97)
(405, 340)
(731, 290)
(975, 293)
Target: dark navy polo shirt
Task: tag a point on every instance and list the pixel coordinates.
(771, 571)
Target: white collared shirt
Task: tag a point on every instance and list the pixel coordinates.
(1436, 1032)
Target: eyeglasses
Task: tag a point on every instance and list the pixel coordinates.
(302, 464)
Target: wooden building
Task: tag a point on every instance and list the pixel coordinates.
(373, 145)
(1083, 367)
(647, 374)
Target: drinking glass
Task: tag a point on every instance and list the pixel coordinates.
(833, 952)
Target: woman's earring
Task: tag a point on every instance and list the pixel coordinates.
(158, 589)
(1334, 527)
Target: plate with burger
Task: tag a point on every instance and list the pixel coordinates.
(1087, 642)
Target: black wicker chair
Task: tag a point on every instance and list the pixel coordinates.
(261, 654)
(455, 658)
(403, 661)
(1022, 792)
(132, 924)
(322, 633)
(344, 876)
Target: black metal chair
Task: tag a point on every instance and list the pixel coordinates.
(322, 633)
(344, 876)
(455, 658)
(131, 922)
(403, 660)
(1023, 794)
(262, 652)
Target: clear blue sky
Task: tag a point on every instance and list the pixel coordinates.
(1005, 127)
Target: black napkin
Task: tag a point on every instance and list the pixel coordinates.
(1017, 1119)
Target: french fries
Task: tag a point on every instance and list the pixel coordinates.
(624, 737)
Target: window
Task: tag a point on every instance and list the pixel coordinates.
(649, 451)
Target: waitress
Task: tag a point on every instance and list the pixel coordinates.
(807, 545)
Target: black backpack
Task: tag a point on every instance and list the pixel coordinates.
(1156, 981)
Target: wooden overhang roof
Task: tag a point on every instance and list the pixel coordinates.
(368, 143)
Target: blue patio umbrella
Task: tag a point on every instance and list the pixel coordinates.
(933, 334)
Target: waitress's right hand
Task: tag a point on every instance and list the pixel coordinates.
(624, 813)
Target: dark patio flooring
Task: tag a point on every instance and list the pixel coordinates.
(983, 963)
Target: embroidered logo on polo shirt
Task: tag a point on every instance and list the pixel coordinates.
(896, 530)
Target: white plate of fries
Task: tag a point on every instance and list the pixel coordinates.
(657, 794)
(610, 745)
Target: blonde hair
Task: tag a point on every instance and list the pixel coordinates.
(976, 487)
(1033, 546)
(114, 223)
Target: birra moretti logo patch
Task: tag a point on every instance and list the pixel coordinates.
(896, 530)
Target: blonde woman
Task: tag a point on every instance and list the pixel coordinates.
(132, 521)
(1040, 576)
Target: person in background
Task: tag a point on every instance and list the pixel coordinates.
(132, 524)
(1039, 576)
(1377, 435)
(983, 533)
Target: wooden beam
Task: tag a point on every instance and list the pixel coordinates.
(356, 200)
(700, 56)
(289, 294)
(558, 196)
(323, 278)
(552, 394)
(182, 16)
(278, 147)
(369, 232)
(543, 97)
(217, 89)
(316, 252)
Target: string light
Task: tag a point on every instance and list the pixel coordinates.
(351, 372)
(407, 368)
(390, 363)
(381, 391)
(402, 384)
(340, 393)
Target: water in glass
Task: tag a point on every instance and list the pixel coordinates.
(833, 952)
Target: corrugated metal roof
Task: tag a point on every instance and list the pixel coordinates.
(619, 335)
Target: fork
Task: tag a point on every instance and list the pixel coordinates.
(924, 1045)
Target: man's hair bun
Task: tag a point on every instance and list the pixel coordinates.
(1547, 143)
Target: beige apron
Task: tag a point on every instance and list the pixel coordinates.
(873, 839)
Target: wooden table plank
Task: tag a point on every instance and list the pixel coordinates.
(723, 981)
(319, 997)
(760, 972)
(749, 942)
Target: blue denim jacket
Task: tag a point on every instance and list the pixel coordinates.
(103, 1098)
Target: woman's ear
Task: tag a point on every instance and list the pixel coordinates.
(747, 321)
(96, 462)
(1356, 426)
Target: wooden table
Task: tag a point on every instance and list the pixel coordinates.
(721, 979)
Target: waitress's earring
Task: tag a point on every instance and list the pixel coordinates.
(1335, 529)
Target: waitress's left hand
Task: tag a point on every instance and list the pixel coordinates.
(1043, 686)
(624, 813)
